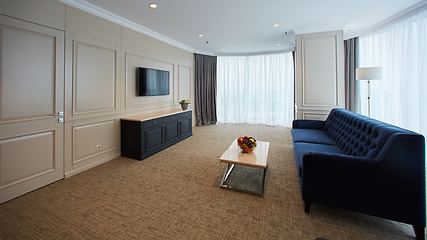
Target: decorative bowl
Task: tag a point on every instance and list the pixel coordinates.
(247, 144)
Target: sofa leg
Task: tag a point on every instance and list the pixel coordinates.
(420, 233)
(307, 206)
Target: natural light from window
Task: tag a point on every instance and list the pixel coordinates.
(256, 89)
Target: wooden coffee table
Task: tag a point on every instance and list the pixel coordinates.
(256, 159)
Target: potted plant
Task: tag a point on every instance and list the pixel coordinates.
(184, 104)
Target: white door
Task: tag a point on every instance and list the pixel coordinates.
(32, 95)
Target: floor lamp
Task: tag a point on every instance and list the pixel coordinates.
(369, 73)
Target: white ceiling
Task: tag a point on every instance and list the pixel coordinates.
(244, 26)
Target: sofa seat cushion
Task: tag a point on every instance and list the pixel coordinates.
(301, 148)
(311, 136)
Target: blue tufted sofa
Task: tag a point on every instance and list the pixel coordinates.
(360, 164)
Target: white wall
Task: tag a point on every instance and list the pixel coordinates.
(319, 71)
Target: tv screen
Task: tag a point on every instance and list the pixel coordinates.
(152, 82)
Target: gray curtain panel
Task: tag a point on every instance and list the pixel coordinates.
(206, 85)
(350, 65)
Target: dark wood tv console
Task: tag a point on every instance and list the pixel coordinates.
(148, 134)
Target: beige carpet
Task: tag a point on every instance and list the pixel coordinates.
(175, 194)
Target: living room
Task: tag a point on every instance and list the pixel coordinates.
(60, 128)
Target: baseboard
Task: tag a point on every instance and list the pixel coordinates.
(82, 169)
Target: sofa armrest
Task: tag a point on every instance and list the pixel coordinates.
(308, 124)
(362, 185)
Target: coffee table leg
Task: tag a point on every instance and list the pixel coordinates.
(264, 178)
(227, 172)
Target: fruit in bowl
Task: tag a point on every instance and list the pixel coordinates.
(247, 144)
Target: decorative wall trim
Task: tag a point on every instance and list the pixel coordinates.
(289, 49)
(100, 12)
(189, 85)
(304, 103)
(74, 78)
(73, 147)
(33, 174)
(315, 115)
(127, 79)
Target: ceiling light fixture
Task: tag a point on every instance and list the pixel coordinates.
(200, 35)
(222, 49)
(276, 25)
(152, 5)
(278, 44)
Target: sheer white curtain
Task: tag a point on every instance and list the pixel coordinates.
(400, 98)
(256, 89)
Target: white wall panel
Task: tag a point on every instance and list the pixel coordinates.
(25, 157)
(93, 139)
(319, 71)
(319, 74)
(315, 116)
(148, 45)
(82, 138)
(44, 12)
(91, 26)
(135, 59)
(94, 78)
(184, 79)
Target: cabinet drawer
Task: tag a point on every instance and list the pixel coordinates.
(153, 122)
(186, 115)
(171, 118)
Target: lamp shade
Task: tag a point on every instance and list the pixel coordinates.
(369, 73)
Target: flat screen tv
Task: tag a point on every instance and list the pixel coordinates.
(152, 82)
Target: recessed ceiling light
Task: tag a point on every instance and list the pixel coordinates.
(276, 25)
(200, 35)
(152, 5)
(278, 44)
(222, 49)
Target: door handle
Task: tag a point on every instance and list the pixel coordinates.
(58, 114)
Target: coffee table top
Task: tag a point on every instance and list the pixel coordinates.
(257, 158)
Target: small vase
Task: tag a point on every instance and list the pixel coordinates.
(184, 106)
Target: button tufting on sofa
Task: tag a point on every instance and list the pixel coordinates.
(364, 165)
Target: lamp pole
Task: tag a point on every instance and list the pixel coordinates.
(369, 99)
(369, 73)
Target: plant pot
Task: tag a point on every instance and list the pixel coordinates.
(184, 106)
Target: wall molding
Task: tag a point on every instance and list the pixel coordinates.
(304, 78)
(289, 49)
(105, 46)
(102, 13)
(74, 160)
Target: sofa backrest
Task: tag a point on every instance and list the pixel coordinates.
(358, 135)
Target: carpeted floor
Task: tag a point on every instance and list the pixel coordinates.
(175, 194)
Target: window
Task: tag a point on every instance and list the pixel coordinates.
(400, 97)
(256, 89)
